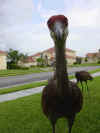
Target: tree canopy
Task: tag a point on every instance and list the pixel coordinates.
(14, 56)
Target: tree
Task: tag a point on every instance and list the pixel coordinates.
(23, 56)
(14, 56)
(46, 60)
(40, 61)
(78, 60)
(86, 59)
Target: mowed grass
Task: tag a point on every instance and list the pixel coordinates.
(14, 72)
(24, 115)
(22, 87)
(94, 71)
(85, 64)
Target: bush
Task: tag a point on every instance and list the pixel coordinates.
(32, 66)
(75, 63)
(24, 68)
(98, 62)
(78, 60)
(14, 66)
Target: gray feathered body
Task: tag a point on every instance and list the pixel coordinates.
(83, 76)
(66, 106)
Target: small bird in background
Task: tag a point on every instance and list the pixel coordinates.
(83, 76)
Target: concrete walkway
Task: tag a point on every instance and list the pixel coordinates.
(19, 94)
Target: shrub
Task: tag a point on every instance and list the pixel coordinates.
(12, 66)
(75, 63)
(98, 62)
(32, 66)
(78, 60)
(15, 66)
(86, 59)
(24, 68)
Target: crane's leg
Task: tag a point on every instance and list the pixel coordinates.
(53, 122)
(53, 128)
(82, 86)
(70, 123)
(87, 87)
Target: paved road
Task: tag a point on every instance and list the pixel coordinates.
(31, 91)
(18, 80)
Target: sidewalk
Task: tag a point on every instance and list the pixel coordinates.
(19, 94)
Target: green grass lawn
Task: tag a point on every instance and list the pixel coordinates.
(85, 64)
(14, 72)
(24, 115)
(94, 71)
(22, 87)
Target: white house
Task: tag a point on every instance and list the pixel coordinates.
(50, 54)
(3, 60)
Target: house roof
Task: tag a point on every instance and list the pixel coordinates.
(3, 53)
(70, 50)
(93, 55)
(51, 50)
(52, 58)
(28, 60)
(37, 54)
(70, 57)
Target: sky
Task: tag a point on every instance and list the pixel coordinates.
(23, 24)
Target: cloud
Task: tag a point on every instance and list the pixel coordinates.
(16, 19)
(80, 13)
(83, 13)
(23, 25)
(16, 12)
(80, 18)
(46, 13)
(29, 39)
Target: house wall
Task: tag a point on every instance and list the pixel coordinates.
(92, 60)
(93, 57)
(71, 57)
(71, 61)
(3, 62)
(69, 53)
(48, 54)
(27, 64)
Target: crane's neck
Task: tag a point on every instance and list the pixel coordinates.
(61, 69)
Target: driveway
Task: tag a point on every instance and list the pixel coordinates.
(24, 79)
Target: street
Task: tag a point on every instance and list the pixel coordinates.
(24, 79)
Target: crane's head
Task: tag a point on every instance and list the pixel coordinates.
(58, 26)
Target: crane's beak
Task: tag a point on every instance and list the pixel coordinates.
(58, 30)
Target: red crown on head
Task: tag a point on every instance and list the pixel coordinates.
(57, 18)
